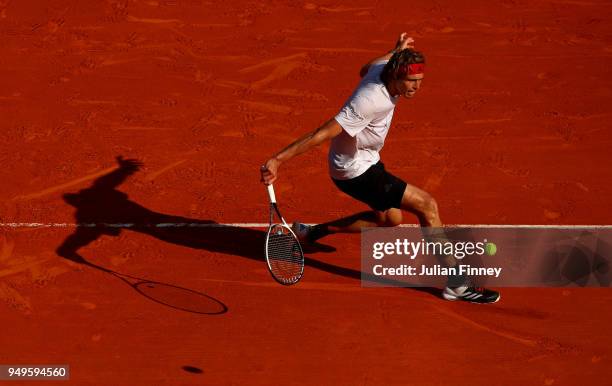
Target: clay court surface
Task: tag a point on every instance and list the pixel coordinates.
(511, 126)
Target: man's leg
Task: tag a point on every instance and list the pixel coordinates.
(414, 200)
(423, 205)
(353, 224)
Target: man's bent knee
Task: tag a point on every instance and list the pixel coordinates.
(389, 218)
(394, 217)
(431, 206)
(417, 200)
(422, 204)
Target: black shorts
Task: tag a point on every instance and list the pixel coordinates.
(376, 187)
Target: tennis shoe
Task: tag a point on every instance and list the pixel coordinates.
(302, 231)
(471, 294)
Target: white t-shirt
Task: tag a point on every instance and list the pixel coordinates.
(365, 118)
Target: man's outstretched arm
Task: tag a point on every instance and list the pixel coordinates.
(403, 42)
(327, 131)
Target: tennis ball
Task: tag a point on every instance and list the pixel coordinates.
(490, 249)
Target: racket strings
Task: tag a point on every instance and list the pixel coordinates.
(284, 255)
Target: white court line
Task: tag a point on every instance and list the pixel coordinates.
(265, 225)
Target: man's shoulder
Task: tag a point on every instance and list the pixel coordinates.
(377, 67)
(373, 93)
(372, 84)
(371, 97)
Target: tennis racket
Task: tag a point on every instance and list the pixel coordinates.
(284, 253)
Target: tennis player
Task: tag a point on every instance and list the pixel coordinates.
(357, 135)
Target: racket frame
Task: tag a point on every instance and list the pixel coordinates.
(274, 208)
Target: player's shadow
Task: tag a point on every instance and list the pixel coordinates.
(100, 209)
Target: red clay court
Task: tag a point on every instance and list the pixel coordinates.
(511, 126)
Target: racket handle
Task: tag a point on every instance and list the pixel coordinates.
(271, 194)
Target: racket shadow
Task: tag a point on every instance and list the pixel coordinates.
(179, 298)
(102, 203)
(169, 295)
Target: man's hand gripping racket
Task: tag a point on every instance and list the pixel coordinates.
(284, 254)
